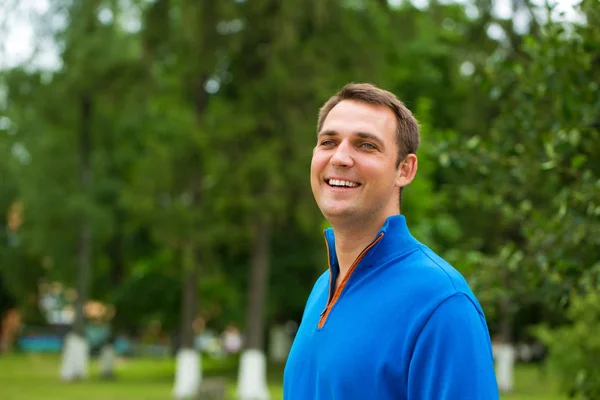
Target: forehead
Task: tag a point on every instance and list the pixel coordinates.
(350, 116)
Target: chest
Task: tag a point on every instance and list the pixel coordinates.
(364, 343)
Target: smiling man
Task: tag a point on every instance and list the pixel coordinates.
(390, 319)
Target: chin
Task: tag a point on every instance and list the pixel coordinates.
(333, 213)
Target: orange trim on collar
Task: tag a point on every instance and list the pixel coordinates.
(338, 291)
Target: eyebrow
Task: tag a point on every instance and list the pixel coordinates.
(362, 135)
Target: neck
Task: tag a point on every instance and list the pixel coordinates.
(350, 242)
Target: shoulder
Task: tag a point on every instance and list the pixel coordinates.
(438, 266)
(431, 278)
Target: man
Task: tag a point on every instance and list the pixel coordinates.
(390, 319)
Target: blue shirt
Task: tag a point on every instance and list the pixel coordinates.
(403, 325)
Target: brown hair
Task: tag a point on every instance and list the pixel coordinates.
(407, 127)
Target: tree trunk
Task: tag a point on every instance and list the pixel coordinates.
(258, 285)
(188, 367)
(189, 364)
(85, 232)
(189, 298)
(252, 383)
(108, 355)
(115, 247)
(75, 348)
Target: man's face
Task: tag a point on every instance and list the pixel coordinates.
(353, 171)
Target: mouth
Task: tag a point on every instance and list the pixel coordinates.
(341, 183)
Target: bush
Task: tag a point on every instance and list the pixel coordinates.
(575, 348)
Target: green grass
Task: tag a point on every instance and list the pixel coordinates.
(33, 377)
(532, 384)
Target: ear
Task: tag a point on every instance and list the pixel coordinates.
(407, 170)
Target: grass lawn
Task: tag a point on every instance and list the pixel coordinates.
(33, 377)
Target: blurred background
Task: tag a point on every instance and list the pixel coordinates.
(158, 234)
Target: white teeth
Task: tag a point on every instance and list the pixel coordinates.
(339, 182)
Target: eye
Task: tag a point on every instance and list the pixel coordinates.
(368, 145)
(327, 143)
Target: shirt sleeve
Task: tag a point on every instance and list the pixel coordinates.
(452, 358)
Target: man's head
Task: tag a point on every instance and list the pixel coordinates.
(407, 127)
(367, 138)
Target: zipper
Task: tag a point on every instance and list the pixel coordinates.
(331, 281)
(331, 301)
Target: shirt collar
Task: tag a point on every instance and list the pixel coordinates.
(396, 240)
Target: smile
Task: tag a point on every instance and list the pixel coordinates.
(341, 183)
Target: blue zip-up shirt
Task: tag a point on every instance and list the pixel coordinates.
(403, 325)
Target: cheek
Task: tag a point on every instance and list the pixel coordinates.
(315, 172)
(372, 169)
(317, 164)
(386, 175)
(313, 169)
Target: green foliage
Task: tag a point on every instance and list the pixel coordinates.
(204, 119)
(533, 180)
(175, 163)
(575, 348)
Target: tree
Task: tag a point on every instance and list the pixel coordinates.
(173, 181)
(533, 173)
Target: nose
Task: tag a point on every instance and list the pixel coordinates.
(342, 157)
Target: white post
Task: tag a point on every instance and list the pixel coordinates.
(504, 353)
(188, 374)
(252, 376)
(75, 355)
(107, 360)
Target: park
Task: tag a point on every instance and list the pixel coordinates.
(158, 233)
